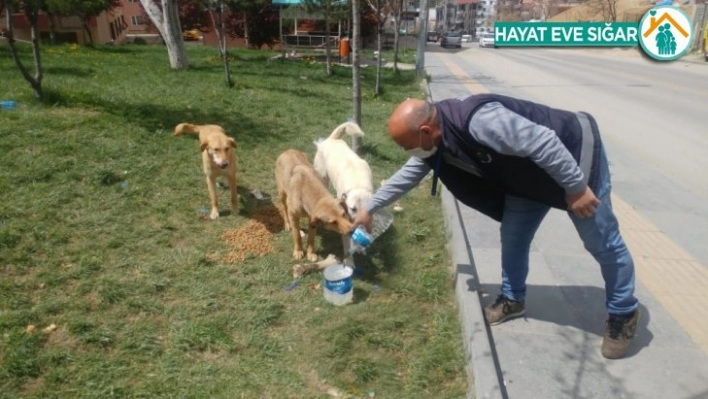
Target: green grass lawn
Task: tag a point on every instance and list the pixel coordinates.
(101, 234)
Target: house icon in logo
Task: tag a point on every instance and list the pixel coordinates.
(654, 23)
(666, 33)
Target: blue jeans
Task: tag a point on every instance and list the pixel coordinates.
(600, 234)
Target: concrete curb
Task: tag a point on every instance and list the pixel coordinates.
(483, 371)
(482, 363)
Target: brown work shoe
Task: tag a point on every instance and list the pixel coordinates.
(619, 331)
(503, 309)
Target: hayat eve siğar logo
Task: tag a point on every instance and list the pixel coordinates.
(665, 33)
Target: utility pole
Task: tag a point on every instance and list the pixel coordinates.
(422, 39)
(444, 26)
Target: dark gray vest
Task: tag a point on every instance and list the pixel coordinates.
(505, 174)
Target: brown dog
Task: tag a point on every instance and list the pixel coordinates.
(302, 193)
(218, 159)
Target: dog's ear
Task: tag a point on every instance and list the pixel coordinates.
(233, 142)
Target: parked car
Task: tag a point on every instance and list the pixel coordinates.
(705, 42)
(486, 40)
(192, 34)
(451, 39)
(433, 37)
(466, 38)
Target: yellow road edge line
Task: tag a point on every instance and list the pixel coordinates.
(671, 275)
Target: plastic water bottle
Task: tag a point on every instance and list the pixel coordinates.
(361, 239)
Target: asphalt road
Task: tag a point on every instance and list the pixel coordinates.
(653, 117)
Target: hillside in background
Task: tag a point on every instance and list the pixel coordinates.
(627, 10)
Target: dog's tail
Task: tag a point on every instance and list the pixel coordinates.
(349, 128)
(186, 128)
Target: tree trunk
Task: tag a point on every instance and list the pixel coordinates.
(36, 80)
(356, 73)
(167, 23)
(612, 6)
(422, 39)
(87, 29)
(52, 29)
(397, 36)
(219, 29)
(245, 29)
(379, 24)
(327, 46)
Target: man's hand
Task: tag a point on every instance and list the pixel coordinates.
(363, 218)
(583, 204)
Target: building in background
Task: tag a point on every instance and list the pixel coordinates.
(470, 17)
(114, 26)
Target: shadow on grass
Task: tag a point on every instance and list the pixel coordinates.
(301, 92)
(263, 210)
(380, 257)
(372, 149)
(398, 78)
(151, 116)
(360, 295)
(276, 73)
(74, 71)
(208, 67)
(116, 49)
(252, 56)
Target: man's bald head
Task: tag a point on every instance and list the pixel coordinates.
(411, 119)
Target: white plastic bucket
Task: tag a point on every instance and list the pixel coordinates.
(338, 284)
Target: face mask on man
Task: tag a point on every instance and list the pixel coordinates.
(420, 152)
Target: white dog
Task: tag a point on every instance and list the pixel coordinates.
(349, 174)
(343, 168)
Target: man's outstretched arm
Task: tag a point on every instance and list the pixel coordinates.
(406, 178)
(399, 184)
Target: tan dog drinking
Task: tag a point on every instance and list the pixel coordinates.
(302, 194)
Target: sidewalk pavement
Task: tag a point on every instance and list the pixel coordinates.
(554, 350)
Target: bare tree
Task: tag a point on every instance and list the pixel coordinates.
(217, 7)
(510, 10)
(356, 70)
(606, 8)
(422, 39)
(382, 9)
(32, 9)
(397, 12)
(165, 17)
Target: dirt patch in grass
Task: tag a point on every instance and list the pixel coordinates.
(255, 237)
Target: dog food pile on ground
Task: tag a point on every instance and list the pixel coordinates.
(255, 236)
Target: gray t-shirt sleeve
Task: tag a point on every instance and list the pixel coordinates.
(509, 133)
(406, 178)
